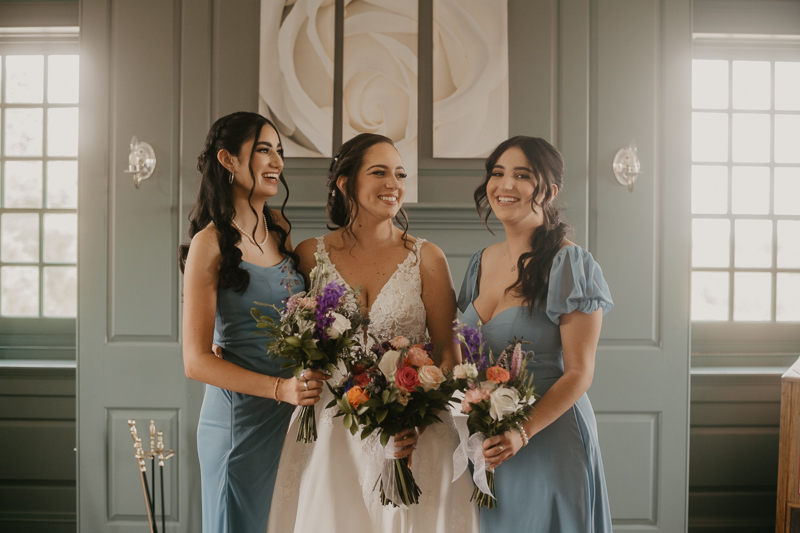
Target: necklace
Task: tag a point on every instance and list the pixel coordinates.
(250, 237)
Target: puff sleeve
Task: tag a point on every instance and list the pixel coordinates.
(576, 282)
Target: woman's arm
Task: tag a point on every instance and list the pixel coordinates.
(439, 298)
(579, 335)
(199, 311)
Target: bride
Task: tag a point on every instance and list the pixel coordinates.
(406, 290)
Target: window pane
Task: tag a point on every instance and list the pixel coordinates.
(753, 246)
(710, 242)
(62, 131)
(710, 296)
(750, 193)
(787, 86)
(709, 190)
(710, 137)
(752, 295)
(62, 184)
(19, 291)
(751, 84)
(23, 132)
(19, 239)
(709, 84)
(23, 184)
(787, 308)
(60, 291)
(787, 191)
(751, 138)
(62, 81)
(60, 238)
(787, 138)
(24, 79)
(789, 244)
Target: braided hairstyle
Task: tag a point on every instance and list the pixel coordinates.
(343, 207)
(533, 268)
(214, 202)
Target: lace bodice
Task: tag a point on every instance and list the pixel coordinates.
(398, 308)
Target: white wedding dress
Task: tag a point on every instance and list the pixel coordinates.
(327, 486)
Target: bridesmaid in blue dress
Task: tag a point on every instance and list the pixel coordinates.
(538, 286)
(240, 253)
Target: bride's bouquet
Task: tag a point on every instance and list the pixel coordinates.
(316, 329)
(498, 397)
(390, 387)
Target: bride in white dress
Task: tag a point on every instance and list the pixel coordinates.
(406, 290)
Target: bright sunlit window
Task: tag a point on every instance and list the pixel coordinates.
(745, 190)
(38, 185)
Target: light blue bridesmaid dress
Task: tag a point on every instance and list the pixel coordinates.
(554, 484)
(240, 437)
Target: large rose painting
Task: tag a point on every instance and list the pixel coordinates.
(470, 77)
(296, 73)
(379, 87)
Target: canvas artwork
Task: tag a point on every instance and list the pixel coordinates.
(296, 68)
(470, 77)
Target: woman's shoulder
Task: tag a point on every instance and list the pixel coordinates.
(207, 239)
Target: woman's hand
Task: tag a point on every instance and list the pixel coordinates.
(303, 391)
(405, 442)
(501, 448)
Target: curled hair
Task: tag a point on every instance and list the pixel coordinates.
(214, 202)
(343, 207)
(533, 268)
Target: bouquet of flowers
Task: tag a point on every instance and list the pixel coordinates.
(390, 387)
(316, 329)
(498, 397)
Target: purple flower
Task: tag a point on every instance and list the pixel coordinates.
(328, 301)
(472, 341)
(516, 362)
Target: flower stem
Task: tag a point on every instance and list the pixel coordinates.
(307, 427)
(483, 499)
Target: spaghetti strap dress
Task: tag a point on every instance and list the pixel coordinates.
(556, 483)
(239, 436)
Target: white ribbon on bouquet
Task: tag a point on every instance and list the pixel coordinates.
(384, 459)
(471, 449)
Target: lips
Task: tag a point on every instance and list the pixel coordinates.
(390, 199)
(506, 200)
(270, 176)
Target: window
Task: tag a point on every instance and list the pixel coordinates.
(38, 183)
(746, 190)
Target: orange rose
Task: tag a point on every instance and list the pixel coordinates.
(497, 374)
(356, 396)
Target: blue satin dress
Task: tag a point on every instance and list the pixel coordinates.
(556, 483)
(240, 437)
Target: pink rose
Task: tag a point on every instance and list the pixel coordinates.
(417, 356)
(474, 396)
(407, 378)
(307, 302)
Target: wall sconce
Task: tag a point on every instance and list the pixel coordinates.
(627, 166)
(141, 161)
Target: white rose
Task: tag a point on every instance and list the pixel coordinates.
(339, 326)
(459, 372)
(471, 370)
(388, 364)
(430, 377)
(503, 402)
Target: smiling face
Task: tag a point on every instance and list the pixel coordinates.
(266, 162)
(511, 188)
(380, 183)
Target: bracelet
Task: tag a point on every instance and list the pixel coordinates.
(522, 434)
(275, 390)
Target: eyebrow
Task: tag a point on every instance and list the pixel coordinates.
(269, 144)
(515, 168)
(384, 166)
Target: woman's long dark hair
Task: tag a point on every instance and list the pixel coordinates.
(343, 207)
(533, 268)
(214, 201)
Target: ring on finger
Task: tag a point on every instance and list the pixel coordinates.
(306, 384)
(501, 448)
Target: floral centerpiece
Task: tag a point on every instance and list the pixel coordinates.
(391, 387)
(316, 329)
(498, 397)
